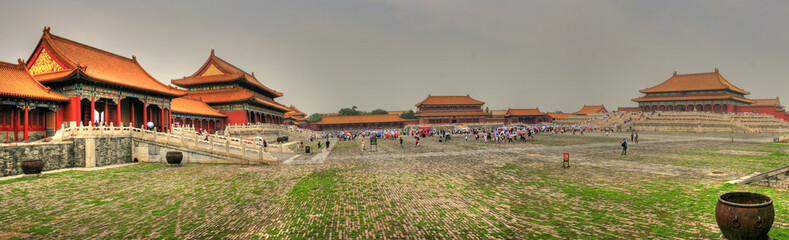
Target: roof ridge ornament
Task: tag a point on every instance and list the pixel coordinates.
(21, 62)
(716, 70)
(212, 52)
(675, 73)
(46, 29)
(134, 58)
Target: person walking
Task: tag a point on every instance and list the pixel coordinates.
(624, 146)
(636, 137)
(417, 141)
(362, 144)
(632, 136)
(401, 141)
(327, 144)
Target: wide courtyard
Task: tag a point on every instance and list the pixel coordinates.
(664, 188)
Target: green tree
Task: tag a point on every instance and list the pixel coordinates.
(316, 117)
(378, 112)
(349, 111)
(408, 115)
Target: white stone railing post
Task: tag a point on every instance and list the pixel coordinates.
(243, 151)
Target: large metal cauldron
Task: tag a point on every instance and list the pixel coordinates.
(174, 157)
(744, 215)
(32, 166)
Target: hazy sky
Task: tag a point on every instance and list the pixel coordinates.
(324, 55)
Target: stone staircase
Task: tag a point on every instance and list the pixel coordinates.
(698, 122)
(762, 123)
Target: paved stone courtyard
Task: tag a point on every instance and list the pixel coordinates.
(662, 189)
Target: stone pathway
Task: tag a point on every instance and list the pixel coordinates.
(314, 158)
(69, 169)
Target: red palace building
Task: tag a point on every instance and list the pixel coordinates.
(194, 112)
(450, 110)
(704, 92)
(527, 116)
(295, 117)
(100, 86)
(234, 93)
(26, 106)
(360, 122)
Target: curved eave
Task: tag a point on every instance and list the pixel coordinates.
(63, 76)
(667, 99)
(240, 78)
(648, 90)
(201, 80)
(199, 114)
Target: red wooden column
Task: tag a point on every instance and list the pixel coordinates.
(145, 115)
(57, 123)
(92, 110)
(106, 113)
(118, 113)
(161, 119)
(26, 122)
(74, 107)
(170, 119)
(131, 120)
(15, 123)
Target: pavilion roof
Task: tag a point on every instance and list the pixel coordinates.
(57, 58)
(523, 112)
(296, 112)
(771, 102)
(692, 97)
(216, 70)
(449, 114)
(695, 82)
(558, 115)
(449, 100)
(498, 112)
(360, 119)
(194, 107)
(233, 95)
(591, 109)
(399, 112)
(18, 83)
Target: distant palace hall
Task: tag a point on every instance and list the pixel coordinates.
(704, 92)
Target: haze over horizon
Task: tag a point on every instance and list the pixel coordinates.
(390, 54)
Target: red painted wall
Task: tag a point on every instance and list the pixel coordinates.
(236, 117)
(630, 109)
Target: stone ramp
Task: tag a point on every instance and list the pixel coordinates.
(774, 178)
(152, 146)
